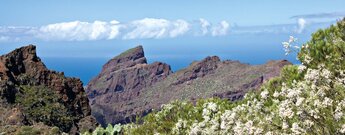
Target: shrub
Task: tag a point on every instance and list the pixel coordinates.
(41, 104)
(109, 130)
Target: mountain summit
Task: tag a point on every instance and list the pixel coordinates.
(121, 81)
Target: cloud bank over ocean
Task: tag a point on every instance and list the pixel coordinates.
(147, 28)
(100, 30)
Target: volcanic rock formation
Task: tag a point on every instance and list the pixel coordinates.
(33, 94)
(127, 86)
(122, 80)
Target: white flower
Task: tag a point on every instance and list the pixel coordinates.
(195, 129)
(269, 133)
(307, 59)
(285, 110)
(321, 93)
(308, 123)
(314, 113)
(212, 106)
(296, 129)
(288, 45)
(181, 124)
(292, 39)
(327, 102)
(301, 68)
(311, 75)
(276, 94)
(264, 94)
(249, 126)
(268, 118)
(326, 73)
(317, 103)
(292, 93)
(299, 101)
(338, 113)
(342, 130)
(258, 131)
(285, 125)
(206, 114)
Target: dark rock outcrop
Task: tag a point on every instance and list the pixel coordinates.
(127, 86)
(21, 71)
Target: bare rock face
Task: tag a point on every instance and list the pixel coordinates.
(21, 72)
(128, 87)
(121, 80)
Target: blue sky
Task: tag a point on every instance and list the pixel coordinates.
(242, 12)
(74, 34)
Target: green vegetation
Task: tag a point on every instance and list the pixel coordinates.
(37, 130)
(41, 104)
(109, 130)
(184, 113)
(326, 47)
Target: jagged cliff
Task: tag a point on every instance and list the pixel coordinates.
(127, 86)
(30, 93)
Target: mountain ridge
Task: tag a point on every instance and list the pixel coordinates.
(111, 105)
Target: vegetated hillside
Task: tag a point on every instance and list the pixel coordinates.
(35, 100)
(128, 87)
(304, 99)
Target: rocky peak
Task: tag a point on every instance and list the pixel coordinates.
(122, 79)
(126, 59)
(19, 61)
(22, 74)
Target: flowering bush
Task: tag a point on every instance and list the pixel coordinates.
(177, 117)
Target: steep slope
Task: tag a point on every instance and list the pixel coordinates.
(38, 94)
(128, 86)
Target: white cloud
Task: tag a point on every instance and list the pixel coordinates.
(180, 27)
(221, 29)
(78, 30)
(156, 28)
(104, 30)
(204, 26)
(301, 25)
(114, 29)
